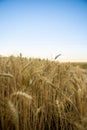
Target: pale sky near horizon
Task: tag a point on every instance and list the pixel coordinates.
(44, 28)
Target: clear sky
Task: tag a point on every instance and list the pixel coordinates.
(44, 28)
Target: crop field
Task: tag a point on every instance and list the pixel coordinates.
(80, 64)
(40, 94)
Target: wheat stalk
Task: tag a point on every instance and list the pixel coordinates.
(26, 66)
(10, 112)
(23, 94)
(6, 75)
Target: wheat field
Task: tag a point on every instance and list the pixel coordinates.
(40, 94)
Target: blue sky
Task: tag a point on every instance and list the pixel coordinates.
(44, 28)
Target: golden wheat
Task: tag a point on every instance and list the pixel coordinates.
(40, 94)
